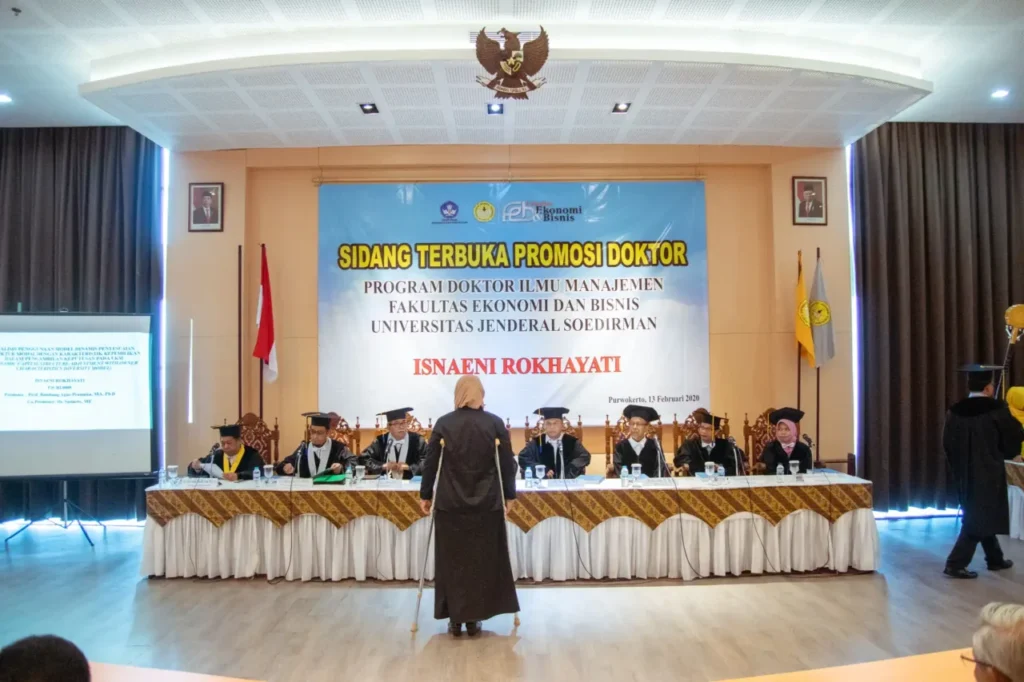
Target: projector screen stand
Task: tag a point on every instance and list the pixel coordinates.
(65, 520)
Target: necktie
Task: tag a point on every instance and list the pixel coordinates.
(207, 213)
(398, 450)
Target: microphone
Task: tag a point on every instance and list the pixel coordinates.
(735, 455)
(561, 460)
(662, 464)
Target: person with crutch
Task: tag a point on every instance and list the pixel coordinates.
(469, 483)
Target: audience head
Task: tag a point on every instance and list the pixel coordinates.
(43, 659)
(999, 644)
(230, 438)
(980, 378)
(553, 424)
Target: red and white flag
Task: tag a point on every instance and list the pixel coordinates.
(266, 348)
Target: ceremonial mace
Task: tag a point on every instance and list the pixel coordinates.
(501, 491)
(1014, 331)
(430, 533)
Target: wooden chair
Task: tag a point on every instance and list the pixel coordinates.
(755, 437)
(256, 434)
(613, 435)
(538, 428)
(682, 431)
(340, 431)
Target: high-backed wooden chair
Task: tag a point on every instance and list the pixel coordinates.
(613, 435)
(415, 425)
(755, 437)
(256, 434)
(576, 431)
(340, 431)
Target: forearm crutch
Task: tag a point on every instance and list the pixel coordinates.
(501, 486)
(430, 534)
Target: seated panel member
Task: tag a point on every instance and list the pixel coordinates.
(694, 452)
(638, 447)
(545, 448)
(397, 450)
(320, 455)
(785, 447)
(232, 461)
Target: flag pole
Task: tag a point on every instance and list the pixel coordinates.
(817, 390)
(239, 331)
(799, 269)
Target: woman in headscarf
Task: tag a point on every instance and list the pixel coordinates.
(1015, 399)
(785, 447)
(472, 573)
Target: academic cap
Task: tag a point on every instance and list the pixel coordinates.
(552, 412)
(979, 372)
(318, 419)
(648, 414)
(702, 416)
(791, 413)
(230, 430)
(393, 415)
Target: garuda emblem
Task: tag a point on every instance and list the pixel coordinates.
(512, 66)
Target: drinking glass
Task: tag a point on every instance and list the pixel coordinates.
(539, 471)
(268, 473)
(360, 473)
(172, 474)
(794, 467)
(634, 472)
(710, 469)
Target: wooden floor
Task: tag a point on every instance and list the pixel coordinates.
(52, 582)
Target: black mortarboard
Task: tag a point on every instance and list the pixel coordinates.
(552, 412)
(318, 419)
(648, 414)
(393, 415)
(230, 430)
(791, 413)
(702, 416)
(980, 375)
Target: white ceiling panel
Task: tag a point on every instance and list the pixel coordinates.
(630, 10)
(235, 11)
(312, 12)
(544, 10)
(162, 13)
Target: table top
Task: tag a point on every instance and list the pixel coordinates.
(105, 672)
(944, 666)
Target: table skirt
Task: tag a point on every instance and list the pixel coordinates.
(370, 547)
(1016, 512)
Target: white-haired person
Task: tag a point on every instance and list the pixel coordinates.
(998, 645)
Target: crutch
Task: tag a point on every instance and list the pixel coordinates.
(501, 490)
(430, 535)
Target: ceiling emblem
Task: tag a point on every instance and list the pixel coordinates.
(512, 66)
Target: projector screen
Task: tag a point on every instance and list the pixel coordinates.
(76, 395)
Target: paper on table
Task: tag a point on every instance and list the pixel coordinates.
(213, 470)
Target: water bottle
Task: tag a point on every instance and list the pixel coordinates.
(349, 475)
(624, 476)
(529, 477)
(780, 471)
(256, 475)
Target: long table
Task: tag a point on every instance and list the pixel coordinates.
(679, 528)
(1015, 489)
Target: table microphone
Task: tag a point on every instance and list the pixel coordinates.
(662, 464)
(561, 460)
(735, 455)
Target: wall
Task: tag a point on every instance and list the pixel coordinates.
(271, 198)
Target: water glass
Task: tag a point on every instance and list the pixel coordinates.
(360, 473)
(794, 467)
(634, 472)
(172, 474)
(539, 471)
(710, 469)
(268, 473)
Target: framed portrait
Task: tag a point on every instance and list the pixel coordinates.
(206, 207)
(810, 201)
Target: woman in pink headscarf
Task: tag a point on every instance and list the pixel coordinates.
(786, 448)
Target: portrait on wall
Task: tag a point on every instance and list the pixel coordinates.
(810, 201)
(206, 207)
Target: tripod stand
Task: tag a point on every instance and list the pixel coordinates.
(65, 519)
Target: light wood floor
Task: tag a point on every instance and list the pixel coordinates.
(52, 582)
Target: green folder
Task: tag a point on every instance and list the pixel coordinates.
(332, 479)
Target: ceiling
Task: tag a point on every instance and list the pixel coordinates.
(207, 74)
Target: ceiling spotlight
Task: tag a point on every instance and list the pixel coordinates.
(5, 98)
(369, 108)
(621, 107)
(495, 109)
(1001, 93)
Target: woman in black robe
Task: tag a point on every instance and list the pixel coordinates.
(472, 573)
(785, 448)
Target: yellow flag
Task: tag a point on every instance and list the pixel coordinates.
(803, 317)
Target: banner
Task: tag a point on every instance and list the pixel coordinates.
(589, 296)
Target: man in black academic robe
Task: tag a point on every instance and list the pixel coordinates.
(317, 456)
(979, 435)
(695, 452)
(638, 448)
(786, 446)
(232, 461)
(473, 578)
(397, 450)
(554, 448)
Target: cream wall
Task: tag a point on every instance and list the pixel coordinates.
(271, 198)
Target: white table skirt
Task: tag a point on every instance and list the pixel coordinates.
(555, 549)
(1016, 512)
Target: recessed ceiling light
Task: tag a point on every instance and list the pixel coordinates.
(369, 108)
(621, 107)
(495, 109)
(5, 98)
(1000, 93)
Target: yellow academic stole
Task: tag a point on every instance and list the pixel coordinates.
(229, 468)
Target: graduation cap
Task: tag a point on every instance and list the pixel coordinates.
(791, 413)
(394, 415)
(318, 419)
(552, 412)
(702, 416)
(229, 430)
(648, 414)
(980, 375)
